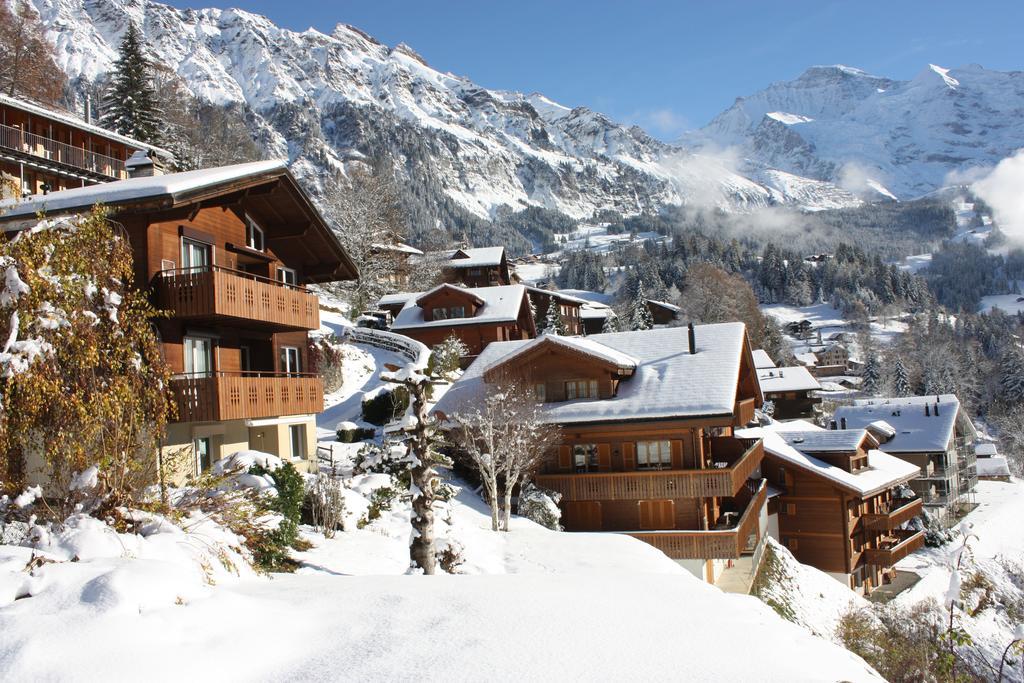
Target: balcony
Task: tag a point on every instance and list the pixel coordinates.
(214, 291)
(61, 155)
(243, 395)
(899, 513)
(744, 412)
(735, 460)
(714, 544)
(894, 548)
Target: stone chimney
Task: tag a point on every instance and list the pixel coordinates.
(141, 165)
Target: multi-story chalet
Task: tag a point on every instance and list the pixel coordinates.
(44, 149)
(401, 254)
(476, 316)
(831, 360)
(663, 312)
(762, 359)
(568, 308)
(228, 251)
(933, 433)
(647, 445)
(479, 267)
(843, 505)
(790, 390)
(594, 316)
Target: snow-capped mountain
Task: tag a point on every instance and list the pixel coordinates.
(867, 133)
(460, 149)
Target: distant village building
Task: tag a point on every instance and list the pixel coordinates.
(402, 255)
(933, 433)
(46, 149)
(991, 465)
(790, 390)
(477, 316)
(837, 503)
(663, 312)
(569, 308)
(831, 360)
(647, 445)
(762, 359)
(476, 267)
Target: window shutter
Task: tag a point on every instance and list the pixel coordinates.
(629, 456)
(604, 457)
(677, 454)
(564, 458)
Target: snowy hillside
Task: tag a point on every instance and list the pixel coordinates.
(322, 100)
(876, 136)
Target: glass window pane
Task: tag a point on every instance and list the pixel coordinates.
(593, 389)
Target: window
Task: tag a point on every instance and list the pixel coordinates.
(195, 255)
(287, 275)
(653, 455)
(457, 312)
(539, 392)
(584, 457)
(204, 454)
(297, 437)
(440, 314)
(290, 360)
(474, 272)
(253, 234)
(580, 388)
(782, 476)
(198, 356)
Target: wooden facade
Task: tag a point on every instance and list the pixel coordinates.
(568, 309)
(473, 274)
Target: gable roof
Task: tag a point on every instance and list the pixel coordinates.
(669, 382)
(795, 378)
(883, 471)
(582, 345)
(762, 359)
(915, 432)
(819, 440)
(664, 304)
(462, 291)
(568, 298)
(316, 241)
(501, 304)
(476, 257)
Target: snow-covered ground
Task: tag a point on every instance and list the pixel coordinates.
(531, 273)
(829, 320)
(1007, 303)
(596, 238)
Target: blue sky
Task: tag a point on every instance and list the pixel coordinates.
(668, 66)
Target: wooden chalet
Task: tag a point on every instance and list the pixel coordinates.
(663, 312)
(478, 267)
(568, 308)
(477, 316)
(933, 433)
(838, 503)
(762, 359)
(791, 390)
(647, 445)
(46, 149)
(229, 251)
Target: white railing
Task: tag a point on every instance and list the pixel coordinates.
(416, 352)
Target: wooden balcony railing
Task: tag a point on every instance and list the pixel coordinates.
(895, 548)
(642, 485)
(744, 412)
(713, 544)
(60, 152)
(217, 291)
(888, 521)
(242, 395)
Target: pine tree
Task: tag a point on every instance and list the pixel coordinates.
(640, 317)
(872, 376)
(900, 379)
(1011, 377)
(611, 323)
(553, 323)
(130, 104)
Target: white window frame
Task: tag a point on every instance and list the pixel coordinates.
(199, 457)
(300, 431)
(188, 247)
(188, 350)
(654, 455)
(288, 276)
(252, 232)
(287, 352)
(584, 457)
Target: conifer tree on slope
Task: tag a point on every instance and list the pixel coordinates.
(872, 376)
(553, 323)
(640, 317)
(900, 378)
(610, 324)
(1011, 379)
(130, 104)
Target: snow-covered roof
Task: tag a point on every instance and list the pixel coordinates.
(477, 257)
(669, 381)
(592, 312)
(501, 304)
(594, 297)
(819, 440)
(135, 189)
(883, 471)
(664, 304)
(72, 120)
(396, 298)
(584, 345)
(915, 431)
(400, 247)
(795, 378)
(993, 466)
(807, 358)
(558, 295)
(762, 359)
(985, 450)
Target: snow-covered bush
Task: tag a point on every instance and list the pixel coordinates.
(286, 500)
(385, 404)
(350, 432)
(325, 505)
(327, 360)
(446, 357)
(541, 506)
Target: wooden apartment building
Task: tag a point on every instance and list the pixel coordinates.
(647, 445)
(229, 251)
(43, 148)
(838, 503)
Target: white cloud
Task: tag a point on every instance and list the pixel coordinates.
(661, 123)
(1003, 190)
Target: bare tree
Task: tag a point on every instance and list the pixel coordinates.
(367, 217)
(27, 66)
(506, 439)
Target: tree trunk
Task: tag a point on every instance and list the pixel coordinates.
(506, 507)
(421, 546)
(492, 494)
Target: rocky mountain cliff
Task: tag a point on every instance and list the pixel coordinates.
(465, 155)
(872, 134)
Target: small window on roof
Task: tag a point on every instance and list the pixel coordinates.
(253, 234)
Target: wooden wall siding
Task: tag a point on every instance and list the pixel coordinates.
(715, 543)
(233, 397)
(222, 292)
(743, 412)
(446, 298)
(888, 521)
(656, 484)
(895, 548)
